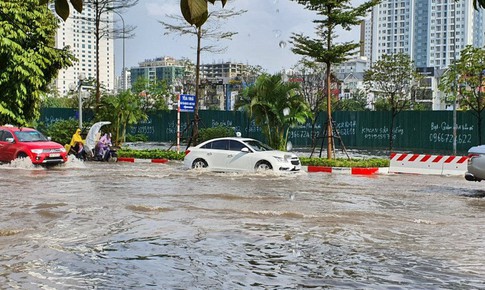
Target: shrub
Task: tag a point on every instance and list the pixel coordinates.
(372, 162)
(151, 154)
(60, 131)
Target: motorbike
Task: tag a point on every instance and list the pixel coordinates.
(108, 153)
(91, 152)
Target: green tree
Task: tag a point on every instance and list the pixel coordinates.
(60, 131)
(392, 80)
(356, 102)
(465, 82)
(335, 13)
(103, 29)
(121, 110)
(102, 24)
(243, 103)
(154, 95)
(276, 106)
(196, 13)
(54, 102)
(311, 76)
(28, 59)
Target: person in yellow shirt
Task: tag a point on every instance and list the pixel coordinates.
(77, 144)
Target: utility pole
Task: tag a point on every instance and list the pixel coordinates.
(456, 81)
(123, 73)
(81, 78)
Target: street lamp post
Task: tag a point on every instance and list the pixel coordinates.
(123, 73)
(178, 83)
(81, 78)
(455, 125)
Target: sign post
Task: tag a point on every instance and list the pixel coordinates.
(186, 103)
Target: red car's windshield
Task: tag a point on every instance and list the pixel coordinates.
(30, 136)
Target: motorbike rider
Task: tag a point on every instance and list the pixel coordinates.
(77, 144)
(103, 146)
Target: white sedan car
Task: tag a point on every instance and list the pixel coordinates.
(476, 164)
(239, 154)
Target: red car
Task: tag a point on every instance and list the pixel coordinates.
(21, 142)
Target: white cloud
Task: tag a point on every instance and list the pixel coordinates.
(161, 8)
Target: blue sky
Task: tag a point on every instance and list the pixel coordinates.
(262, 39)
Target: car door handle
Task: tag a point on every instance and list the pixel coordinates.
(230, 156)
(209, 154)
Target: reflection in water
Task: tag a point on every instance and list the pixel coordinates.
(141, 225)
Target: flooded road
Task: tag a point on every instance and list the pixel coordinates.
(157, 226)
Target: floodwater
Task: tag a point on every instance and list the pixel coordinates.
(156, 226)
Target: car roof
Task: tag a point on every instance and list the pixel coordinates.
(14, 128)
(226, 138)
(231, 138)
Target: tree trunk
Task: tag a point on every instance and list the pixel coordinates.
(479, 109)
(118, 121)
(391, 129)
(248, 127)
(97, 39)
(479, 119)
(329, 91)
(195, 128)
(329, 115)
(314, 134)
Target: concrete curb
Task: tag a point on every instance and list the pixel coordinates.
(347, 170)
(140, 160)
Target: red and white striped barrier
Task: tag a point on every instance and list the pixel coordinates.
(428, 164)
(140, 160)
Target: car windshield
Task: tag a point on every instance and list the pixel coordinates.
(258, 146)
(30, 136)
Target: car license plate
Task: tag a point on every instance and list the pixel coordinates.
(54, 155)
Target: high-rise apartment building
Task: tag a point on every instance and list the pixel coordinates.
(432, 32)
(366, 40)
(77, 32)
(124, 80)
(223, 70)
(161, 68)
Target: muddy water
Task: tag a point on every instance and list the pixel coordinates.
(154, 226)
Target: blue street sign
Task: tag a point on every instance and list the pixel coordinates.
(187, 103)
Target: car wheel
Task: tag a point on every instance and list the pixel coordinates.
(263, 166)
(22, 155)
(199, 163)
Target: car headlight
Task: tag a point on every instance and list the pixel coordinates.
(36, 151)
(63, 149)
(279, 159)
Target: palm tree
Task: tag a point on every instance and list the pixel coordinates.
(276, 106)
(243, 103)
(122, 110)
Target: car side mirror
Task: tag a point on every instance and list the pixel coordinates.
(245, 150)
(9, 140)
(49, 138)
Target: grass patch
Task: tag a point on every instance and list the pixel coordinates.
(344, 162)
(151, 154)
